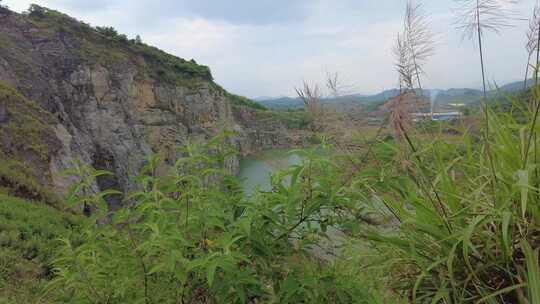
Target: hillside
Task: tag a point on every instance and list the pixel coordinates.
(441, 97)
(107, 101)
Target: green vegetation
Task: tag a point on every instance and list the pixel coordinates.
(28, 139)
(168, 67)
(26, 120)
(299, 119)
(5, 42)
(292, 119)
(183, 240)
(413, 218)
(18, 178)
(111, 32)
(244, 101)
(421, 221)
(52, 21)
(104, 45)
(462, 230)
(28, 241)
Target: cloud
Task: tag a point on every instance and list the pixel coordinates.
(249, 11)
(234, 11)
(86, 6)
(266, 47)
(194, 37)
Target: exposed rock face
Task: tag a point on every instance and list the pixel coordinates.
(259, 132)
(110, 106)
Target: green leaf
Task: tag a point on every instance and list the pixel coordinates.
(98, 173)
(211, 272)
(523, 184)
(157, 268)
(227, 246)
(121, 216)
(533, 272)
(467, 244)
(506, 221)
(501, 292)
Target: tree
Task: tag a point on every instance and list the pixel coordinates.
(107, 31)
(37, 11)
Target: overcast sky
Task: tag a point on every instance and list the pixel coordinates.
(267, 47)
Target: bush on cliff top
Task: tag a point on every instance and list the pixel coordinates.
(244, 101)
(161, 65)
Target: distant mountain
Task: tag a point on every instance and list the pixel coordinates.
(441, 97)
(464, 95)
(516, 86)
(384, 95)
(282, 103)
(267, 97)
(290, 103)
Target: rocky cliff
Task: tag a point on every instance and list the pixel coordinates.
(259, 131)
(73, 92)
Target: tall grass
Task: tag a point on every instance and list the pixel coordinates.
(466, 215)
(458, 241)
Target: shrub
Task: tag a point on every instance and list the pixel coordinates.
(186, 239)
(108, 31)
(244, 101)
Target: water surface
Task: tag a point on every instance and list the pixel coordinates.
(255, 173)
(255, 170)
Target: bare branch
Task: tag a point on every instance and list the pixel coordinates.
(309, 94)
(311, 97)
(333, 84)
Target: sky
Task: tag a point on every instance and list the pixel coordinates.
(261, 48)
